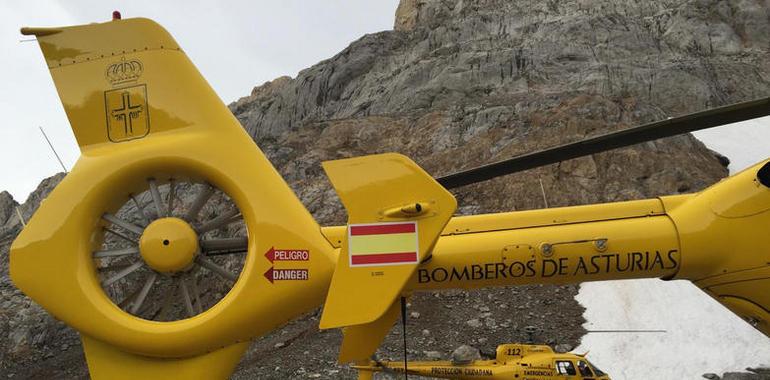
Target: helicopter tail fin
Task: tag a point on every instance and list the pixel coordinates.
(396, 211)
(117, 85)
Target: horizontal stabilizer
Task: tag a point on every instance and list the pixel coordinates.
(396, 212)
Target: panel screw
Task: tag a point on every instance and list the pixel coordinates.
(754, 322)
(601, 245)
(546, 249)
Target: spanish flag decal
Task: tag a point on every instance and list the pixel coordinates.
(383, 244)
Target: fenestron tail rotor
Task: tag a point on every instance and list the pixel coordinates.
(144, 246)
(164, 259)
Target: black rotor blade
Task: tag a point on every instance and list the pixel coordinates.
(666, 128)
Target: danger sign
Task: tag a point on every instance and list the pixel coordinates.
(274, 275)
(274, 254)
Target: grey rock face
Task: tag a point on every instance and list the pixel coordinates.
(458, 84)
(672, 56)
(432, 355)
(754, 375)
(7, 206)
(28, 334)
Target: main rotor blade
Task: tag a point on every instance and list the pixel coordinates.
(666, 128)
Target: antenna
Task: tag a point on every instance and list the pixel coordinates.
(54, 151)
(624, 331)
(21, 217)
(403, 325)
(542, 189)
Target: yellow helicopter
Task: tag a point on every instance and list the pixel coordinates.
(163, 285)
(512, 361)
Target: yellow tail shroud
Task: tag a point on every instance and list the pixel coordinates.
(396, 212)
(139, 109)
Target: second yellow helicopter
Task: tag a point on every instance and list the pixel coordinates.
(512, 361)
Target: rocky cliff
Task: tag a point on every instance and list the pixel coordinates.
(460, 83)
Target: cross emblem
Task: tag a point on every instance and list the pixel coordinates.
(127, 113)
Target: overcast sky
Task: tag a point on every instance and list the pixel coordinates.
(235, 44)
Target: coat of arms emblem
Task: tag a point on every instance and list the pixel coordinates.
(127, 114)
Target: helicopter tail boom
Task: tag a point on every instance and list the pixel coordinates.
(715, 238)
(561, 245)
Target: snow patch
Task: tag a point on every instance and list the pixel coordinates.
(701, 335)
(745, 143)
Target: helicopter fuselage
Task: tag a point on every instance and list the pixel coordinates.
(512, 361)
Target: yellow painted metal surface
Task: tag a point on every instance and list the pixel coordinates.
(553, 216)
(360, 342)
(366, 186)
(725, 244)
(715, 238)
(334, 234)
(723, 226)
(168, 245)
(637, 247)
(190, 134)
(96, 67)
(107, 362)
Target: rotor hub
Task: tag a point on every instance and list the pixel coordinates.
(169, 245)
